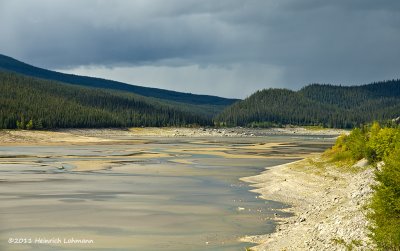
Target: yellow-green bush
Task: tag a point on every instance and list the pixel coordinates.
(350, 147)
(381, 143)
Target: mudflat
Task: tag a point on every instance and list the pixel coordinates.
(119, 190)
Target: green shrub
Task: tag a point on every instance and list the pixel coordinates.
(381, 143)
(385, 204)
(29, 125)
(349, 148)
(356, 144)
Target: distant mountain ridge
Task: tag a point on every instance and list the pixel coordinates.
(317, 104)
(10, 64)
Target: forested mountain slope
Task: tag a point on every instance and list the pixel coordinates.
(11, 64)
(316, 104)
(51, 104)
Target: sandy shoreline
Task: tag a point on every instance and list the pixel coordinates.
(326, 203)
(112, 136)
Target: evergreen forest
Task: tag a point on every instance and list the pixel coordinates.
(31, 103)
(316, 105)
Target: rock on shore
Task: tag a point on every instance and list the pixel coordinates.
(327, 205)
(233, 132)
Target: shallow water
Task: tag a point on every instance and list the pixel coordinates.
(161, 194)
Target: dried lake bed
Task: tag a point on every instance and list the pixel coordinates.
(130, 192)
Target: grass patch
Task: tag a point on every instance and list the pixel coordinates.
(348, 246)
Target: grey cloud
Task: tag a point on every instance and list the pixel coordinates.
(341, 41)
(351, 5)
(56, 33)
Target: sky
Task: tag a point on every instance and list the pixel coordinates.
(229, 48)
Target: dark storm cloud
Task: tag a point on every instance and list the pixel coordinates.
(302, 41)
(69, 33)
